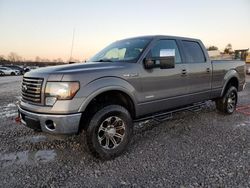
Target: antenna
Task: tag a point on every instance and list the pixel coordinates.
(72, 45)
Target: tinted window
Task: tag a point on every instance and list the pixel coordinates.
(193, 52)
(167, 45)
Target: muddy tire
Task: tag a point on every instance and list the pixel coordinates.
(227, 104)
(109, 132)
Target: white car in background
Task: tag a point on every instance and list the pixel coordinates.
(8, 71)
(248, 68)
(1, 73)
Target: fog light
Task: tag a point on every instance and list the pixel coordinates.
(50, 125)
(50, 101)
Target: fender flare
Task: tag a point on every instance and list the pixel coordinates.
(228, 76)
(102, 85)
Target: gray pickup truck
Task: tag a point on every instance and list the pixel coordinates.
(128, 80)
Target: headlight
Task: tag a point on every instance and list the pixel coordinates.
(60, 91)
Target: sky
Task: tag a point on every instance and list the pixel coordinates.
(44, 28)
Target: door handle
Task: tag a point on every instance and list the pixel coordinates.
(208, 70)
(184, 72)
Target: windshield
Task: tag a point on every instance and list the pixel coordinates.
(124, 50)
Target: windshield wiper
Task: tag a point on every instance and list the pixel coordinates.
(104, 60)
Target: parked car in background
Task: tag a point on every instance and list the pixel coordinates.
(248, 64)
(248, 58)
(1, 73)
(15, 67)
(9, 71)
(248, 68)
(26, 69)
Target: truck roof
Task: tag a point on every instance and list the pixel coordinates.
(164, 36)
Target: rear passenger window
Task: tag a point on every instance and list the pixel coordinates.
(193, 52)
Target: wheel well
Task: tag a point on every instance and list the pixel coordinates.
(232, 82)
(104, 99)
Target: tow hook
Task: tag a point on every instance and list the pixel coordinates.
(18, 120)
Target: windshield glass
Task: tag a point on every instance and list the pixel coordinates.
(124, 50)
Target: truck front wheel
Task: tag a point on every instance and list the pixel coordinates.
(109, 131)
(227, 104)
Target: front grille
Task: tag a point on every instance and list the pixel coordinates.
(31, 89)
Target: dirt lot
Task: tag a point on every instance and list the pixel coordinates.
(194, 149)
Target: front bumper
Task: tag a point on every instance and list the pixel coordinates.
(57, 124)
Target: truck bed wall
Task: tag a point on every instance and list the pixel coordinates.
(223, 70)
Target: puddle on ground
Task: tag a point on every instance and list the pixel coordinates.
(33, 139)
(243, 124)
(26, 157)
(45, 155)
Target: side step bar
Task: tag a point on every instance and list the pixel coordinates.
(160, 117)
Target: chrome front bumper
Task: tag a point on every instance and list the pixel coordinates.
(57, 124)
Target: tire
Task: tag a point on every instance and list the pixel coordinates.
(12, 74)
(1, 73)
(227, 104)
(109, 132)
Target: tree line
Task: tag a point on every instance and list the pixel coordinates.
(227, 50)
(14, 58)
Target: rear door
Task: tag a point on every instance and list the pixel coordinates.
(199, 71)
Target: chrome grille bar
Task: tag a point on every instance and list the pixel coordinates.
(31, 89)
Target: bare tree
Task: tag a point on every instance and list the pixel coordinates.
(228, 49)
(38, 59)
(45, 60)
(2, 58)
(74, 60)
(14, 57)
(210, 48)
(59, 60)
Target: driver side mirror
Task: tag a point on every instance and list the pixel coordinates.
(165, 61)
(160, 62)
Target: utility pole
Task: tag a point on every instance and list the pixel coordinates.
(72, 45)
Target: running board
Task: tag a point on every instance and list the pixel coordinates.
(160, 117)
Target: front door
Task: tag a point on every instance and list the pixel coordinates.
(163, 88)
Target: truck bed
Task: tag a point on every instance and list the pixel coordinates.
(222, 69)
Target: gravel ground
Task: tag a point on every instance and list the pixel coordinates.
(194, 149)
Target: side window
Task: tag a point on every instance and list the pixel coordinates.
(167, 46)
(193, 52)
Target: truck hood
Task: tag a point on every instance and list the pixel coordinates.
(80, 67)
(86, 72)
(57, 73)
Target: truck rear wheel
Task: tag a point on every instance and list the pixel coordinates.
(109, 132)
(227, 104)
